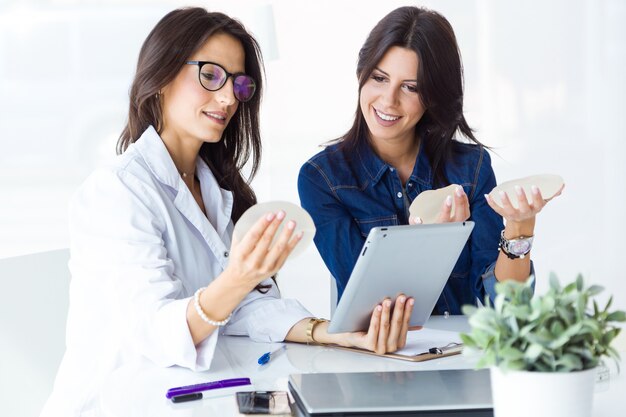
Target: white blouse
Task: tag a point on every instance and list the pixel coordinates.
(140, 247)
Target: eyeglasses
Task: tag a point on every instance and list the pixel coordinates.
(213, 76)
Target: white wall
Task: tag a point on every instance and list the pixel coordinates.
(545, 86)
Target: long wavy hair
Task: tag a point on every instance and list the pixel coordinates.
(439, 80)
(175, 38)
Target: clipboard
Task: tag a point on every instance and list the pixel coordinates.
(422, 345)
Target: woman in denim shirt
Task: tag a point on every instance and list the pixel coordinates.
(401, 144)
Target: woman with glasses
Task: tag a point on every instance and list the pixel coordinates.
(155, 275)
(402, 142)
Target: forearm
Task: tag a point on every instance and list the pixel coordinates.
(320, 334)
(218, 300)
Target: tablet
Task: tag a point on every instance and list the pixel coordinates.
(415, 260)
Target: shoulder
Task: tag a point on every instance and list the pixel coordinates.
(470, 166)
(468, 158)
(330, 156)
(469, 152)
(335, 165)
(125, 181)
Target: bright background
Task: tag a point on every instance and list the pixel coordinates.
(545, 86)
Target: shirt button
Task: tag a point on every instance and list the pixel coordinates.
(399, 194)
(226, 254)
(392, 169)
(410, 184)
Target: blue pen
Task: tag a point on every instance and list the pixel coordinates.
(265, 358)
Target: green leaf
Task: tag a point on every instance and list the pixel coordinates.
(569, 362)
(595, 290)
(468, 309)
(579, 282)
(511, 354)
(554, 282)
(468, 341)
(616, 316)
(533, 352)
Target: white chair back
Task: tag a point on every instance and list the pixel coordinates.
(34, 297)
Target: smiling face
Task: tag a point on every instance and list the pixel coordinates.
(389, 99)
(192, 113)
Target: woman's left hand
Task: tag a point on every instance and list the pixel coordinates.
(387, 330)
(525, 212)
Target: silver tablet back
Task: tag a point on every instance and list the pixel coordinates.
(414, 260)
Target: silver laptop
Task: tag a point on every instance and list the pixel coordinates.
(457, 392)
(414, 260)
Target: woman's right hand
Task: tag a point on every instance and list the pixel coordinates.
(252, 260)
(388, 327)
(461, 210)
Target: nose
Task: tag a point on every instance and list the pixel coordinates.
(389, 95)
(226, 94)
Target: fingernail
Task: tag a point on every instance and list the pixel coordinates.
(299, 235)
(387, 303)
(518, 190)
(379, 308)
(418, 220)
(534, 189)
(291, 224)
(280, 215)
(269, 217)
(402, 299)
(449, 201)
(459, 191)
(503, 195)
(411, 301)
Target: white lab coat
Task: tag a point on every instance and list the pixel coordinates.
(140, 247)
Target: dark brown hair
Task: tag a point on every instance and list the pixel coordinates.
(169, 45)
(439, 80)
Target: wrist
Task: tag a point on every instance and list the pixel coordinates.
(234, 282)
(320, 334)
(514, 229)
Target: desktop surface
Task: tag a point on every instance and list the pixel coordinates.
(140, 389)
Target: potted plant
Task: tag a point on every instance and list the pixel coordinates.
(543, 350)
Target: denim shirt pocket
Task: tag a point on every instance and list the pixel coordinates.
(365, 225)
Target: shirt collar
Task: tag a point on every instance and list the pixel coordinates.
(153, 151)
(376, 167)
(370, 161)
(217, 201)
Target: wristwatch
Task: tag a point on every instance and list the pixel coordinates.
(516, 248)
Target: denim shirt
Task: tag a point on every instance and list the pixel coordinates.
(347, 195)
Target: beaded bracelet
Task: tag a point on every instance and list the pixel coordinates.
(202, 314)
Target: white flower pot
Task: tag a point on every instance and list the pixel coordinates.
(554, 394)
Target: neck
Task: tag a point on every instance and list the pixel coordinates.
(399, 153)
(184, 154)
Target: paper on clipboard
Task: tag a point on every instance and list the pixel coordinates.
(421, 341)
(422, 345)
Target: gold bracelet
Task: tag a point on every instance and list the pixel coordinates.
(310, 327)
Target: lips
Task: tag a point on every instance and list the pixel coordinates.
(216, 116)
(385, 119)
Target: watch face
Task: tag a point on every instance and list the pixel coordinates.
(519, 247)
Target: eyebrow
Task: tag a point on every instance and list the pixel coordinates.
(378, 69)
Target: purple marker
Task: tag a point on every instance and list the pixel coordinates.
(206, 386)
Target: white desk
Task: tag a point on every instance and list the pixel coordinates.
(140, 390)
